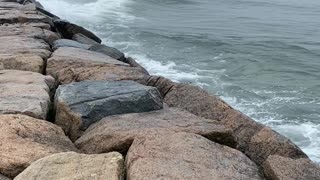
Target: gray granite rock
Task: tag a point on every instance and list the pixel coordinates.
(69, 43)
(109, 51)
(83, 39)
(78, 105)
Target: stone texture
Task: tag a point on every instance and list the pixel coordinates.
(73, 64)
(25, 62)
(32, 30)
(196, 101)
(24, 45)
(25, 140)
(168, 155)
(134, 63)
(68, 29)
(83, 39)
(3, 177)
(164, 86)
(15, 13)
(23, 92)
(69, 43)
(116, 133)
(74, 166)
(109, 51)
(78, 105)
(268, 142)
(283, 168)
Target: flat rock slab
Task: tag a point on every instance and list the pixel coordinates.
(24, 62)
(25, 140)
(69, 43)
(24, 92)
(74, 166)
(78, 105)
(116, 133)
(29, 30)
(69, 64)
(169, 155)
(283, 168)
(24, 45)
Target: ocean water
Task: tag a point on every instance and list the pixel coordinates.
(261, 56)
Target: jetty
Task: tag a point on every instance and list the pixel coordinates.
(73, 108)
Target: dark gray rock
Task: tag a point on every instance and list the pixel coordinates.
(109, 51)
(3, 177)
(78, 105)
(83, 39)
(69, 43)
(134, 63)
(68, 29)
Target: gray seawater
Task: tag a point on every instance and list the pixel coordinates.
(261, 56)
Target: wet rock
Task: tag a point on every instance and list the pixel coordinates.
(68, 29)
(25, 140)
(24, 92)
(83, 39)
(196, 101)
(25, 62)
(74, 166)
(116, 133)
(74, 64)
(267, 142)
(283, 168)
(69, 43)
(109, 51)
(24, 45)
(164, 86)
(186, 156)
(134, 63)
(78, 105)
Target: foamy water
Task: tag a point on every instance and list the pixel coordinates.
(260, 56)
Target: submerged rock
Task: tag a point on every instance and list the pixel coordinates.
(25, 140)
(24, 92)
(282, 168)
(78, 105)
(182, 155)
(116, 133)
(74, 166)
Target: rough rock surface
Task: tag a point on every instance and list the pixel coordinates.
(78, 105)
(24, 92)
(68, 29)
(73, 64)
(116, 133)
(164, 86)
(69, 43)
(25, 140)
(268, 142)
(134, 63)
(33, 30)
(109, 51)
(16, 13)
(258, 144)
(24, 62)
(24, 45)
(83, 39)
(2, 177)
(196, 101)
(284, 168)
(74, 166)
(167, 155)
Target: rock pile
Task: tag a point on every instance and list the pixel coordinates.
(73, 108)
